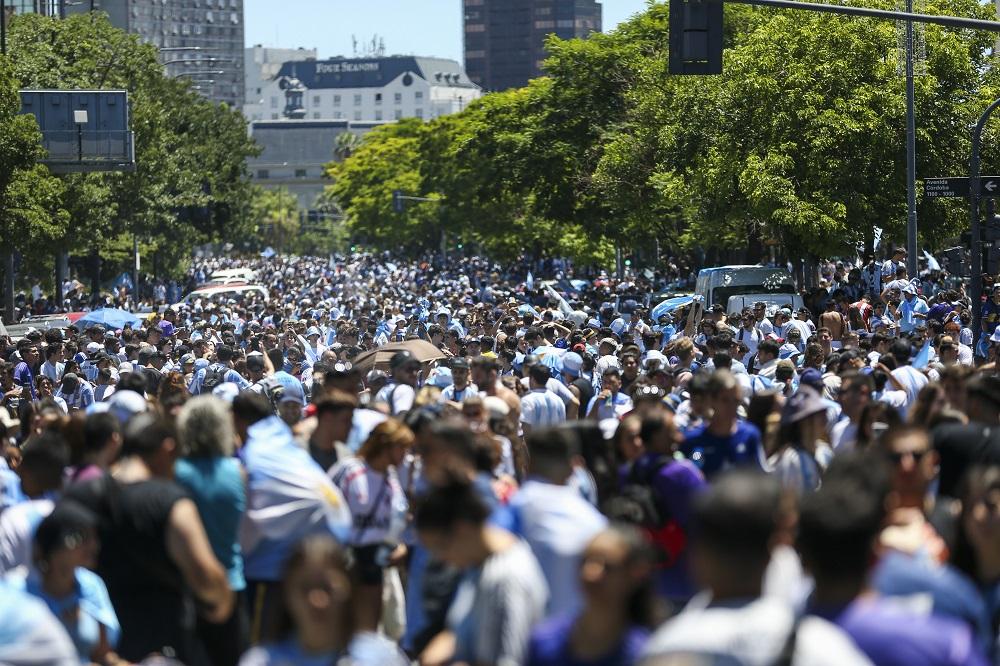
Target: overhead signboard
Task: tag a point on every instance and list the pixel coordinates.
(947, 188)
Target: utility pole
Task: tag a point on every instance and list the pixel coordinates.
(911, 154)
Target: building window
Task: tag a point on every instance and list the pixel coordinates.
(544, 25)
(316, 115)
(543, 11)
(263, 174)
(317, 100)
(419, 95)
(475, 27)
(419, 113)
(336, 100)
(475, 54)
(337, 115)
(357, 115)
(378, 98)
(357, 100)
(300, 173)
(398, 114)
(274, 102)
(564, 23)
(274, 116)
(398, 98)
(378, 114)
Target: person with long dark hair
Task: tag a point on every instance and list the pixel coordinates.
(619, 606)
(315, 620)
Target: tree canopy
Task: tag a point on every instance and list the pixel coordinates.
(799, 143)
(190, 185)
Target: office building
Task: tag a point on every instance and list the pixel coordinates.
(261, 64)
(201, 40)
(505, 39)
(365, 90)
(294, 154)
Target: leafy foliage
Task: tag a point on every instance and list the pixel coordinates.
(190, 185)
(801, 142)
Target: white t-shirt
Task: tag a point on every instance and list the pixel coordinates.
(541, 408)
(399, 397)
(753, 634)
(17, 530)
(377, 502)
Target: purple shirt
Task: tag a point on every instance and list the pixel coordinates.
(676, 485)
(23, 376)
(893, 636)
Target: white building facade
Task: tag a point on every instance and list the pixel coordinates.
(367, 90)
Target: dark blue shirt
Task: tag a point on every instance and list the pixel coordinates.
(714, 454)
(549, 646)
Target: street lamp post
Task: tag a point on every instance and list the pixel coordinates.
(975, 257)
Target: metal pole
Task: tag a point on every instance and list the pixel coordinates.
(975, 257)
(135, 273)
(3, 27)
(948, 21)
(911, 155)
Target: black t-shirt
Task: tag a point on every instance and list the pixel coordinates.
(960, 448)
(586, 394)
(153, 603)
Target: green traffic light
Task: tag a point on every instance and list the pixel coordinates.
(628, 262)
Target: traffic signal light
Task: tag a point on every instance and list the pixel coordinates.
(695, 37)
(397, 201)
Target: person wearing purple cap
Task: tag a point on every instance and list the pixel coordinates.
(802, 454)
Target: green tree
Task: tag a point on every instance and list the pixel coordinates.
(275, 214)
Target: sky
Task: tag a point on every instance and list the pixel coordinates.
(410, 27)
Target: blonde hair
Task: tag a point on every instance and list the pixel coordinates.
(385, 435)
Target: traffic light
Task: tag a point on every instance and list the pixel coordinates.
(695, 37)
(397, 201)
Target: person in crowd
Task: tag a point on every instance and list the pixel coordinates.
(554, 518)
(316, 620)
(610, 402)
(101, 445)
(155, 557)
(64, 552)
(619, 607)
(738, 520)
(398, 395)
(43, 462)
(802, 454)
(837, 540)
(540, 408)
(213, 478)
(289, 497)
(503, 592)
(725, 440)
(378, 505)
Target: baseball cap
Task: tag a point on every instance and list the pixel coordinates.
(813, 378)
(572, 363)
(610, 342)
(254, 362)
(402, 358)
(293, 393)
(166, 328)
(459, 363)
(803, 404)
(93, 347)
(70, 382)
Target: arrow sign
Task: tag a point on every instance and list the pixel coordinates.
(947, 188)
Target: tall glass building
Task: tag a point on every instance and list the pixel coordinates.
(505, 39)
(199, 39)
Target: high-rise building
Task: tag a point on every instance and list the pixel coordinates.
(201, 40)
(505, 39)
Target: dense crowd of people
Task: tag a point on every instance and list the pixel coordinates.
(393, 462)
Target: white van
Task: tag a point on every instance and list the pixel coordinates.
(717, 285)
(223, 293)
(232, 275)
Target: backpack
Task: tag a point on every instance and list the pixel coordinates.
(272, 389)
(214, 376)
(638, 504)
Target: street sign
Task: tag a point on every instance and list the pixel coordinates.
(936, 188)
